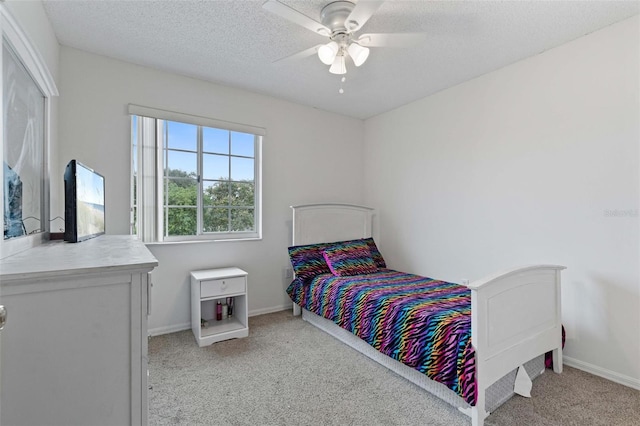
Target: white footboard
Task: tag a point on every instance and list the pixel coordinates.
(515, 316)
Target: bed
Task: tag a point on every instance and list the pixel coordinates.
(497, 329)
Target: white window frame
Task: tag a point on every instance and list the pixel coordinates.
(150, 174)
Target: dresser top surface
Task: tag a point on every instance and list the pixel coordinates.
(100, 254)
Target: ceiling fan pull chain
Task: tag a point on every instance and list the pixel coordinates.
(342, 80)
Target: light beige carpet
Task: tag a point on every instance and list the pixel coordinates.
(287, 372)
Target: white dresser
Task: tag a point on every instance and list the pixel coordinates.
(74, 347)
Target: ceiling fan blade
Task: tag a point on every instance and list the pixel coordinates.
(361, 13)
(390, 40)
(284, 11)
(302, 54)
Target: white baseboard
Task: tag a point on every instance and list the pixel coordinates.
(169, 329)
(269, 310)
(602, 372)
(187, 326)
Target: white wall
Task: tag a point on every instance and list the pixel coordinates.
(308, 156)
(524, 165)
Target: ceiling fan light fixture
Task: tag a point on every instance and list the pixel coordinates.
(358, 53)
(327, 52)
(338, 66)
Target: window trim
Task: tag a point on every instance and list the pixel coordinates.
(156, 236)
(194, 119)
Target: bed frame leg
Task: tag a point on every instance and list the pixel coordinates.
(297, 310)
(477, 412)
(477, 417)
(556, 356)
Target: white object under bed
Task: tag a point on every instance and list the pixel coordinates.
(515, 315)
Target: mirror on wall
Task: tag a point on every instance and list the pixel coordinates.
(23, 151)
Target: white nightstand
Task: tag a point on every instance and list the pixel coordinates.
(209, 287)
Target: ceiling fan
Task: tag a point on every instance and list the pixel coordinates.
(340, 20)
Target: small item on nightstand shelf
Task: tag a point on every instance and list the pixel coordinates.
(204, 323)
(218, 311)
(230, 304)
(225, 311)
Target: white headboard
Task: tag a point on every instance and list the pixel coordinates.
(324, 223)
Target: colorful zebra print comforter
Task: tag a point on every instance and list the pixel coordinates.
(421, 322)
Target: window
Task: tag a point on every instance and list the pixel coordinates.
(194, 178)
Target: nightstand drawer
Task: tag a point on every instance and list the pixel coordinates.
(222, 286)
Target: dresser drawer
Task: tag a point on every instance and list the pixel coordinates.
(211, 288)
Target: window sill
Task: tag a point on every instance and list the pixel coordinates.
(202, 240)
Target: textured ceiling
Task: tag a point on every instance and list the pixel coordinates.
(235, 43)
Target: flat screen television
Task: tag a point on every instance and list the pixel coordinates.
(83, 203)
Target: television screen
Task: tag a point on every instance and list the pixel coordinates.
(84, 202)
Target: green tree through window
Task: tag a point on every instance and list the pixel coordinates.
(228, 206)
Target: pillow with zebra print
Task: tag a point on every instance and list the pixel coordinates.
(307, 260)
(349, 258)
(375, 253)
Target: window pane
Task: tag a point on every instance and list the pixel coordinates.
(215, 140)
(241, 169)
(134, 229)
(215, 193)
(182, 164)
(182, 135)
(134, 143)
(181, 192)
(242, 194)
(180, 221)
(215, 167)
(242, 220)
(242, 144)
(134, 159)
(215, 220)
